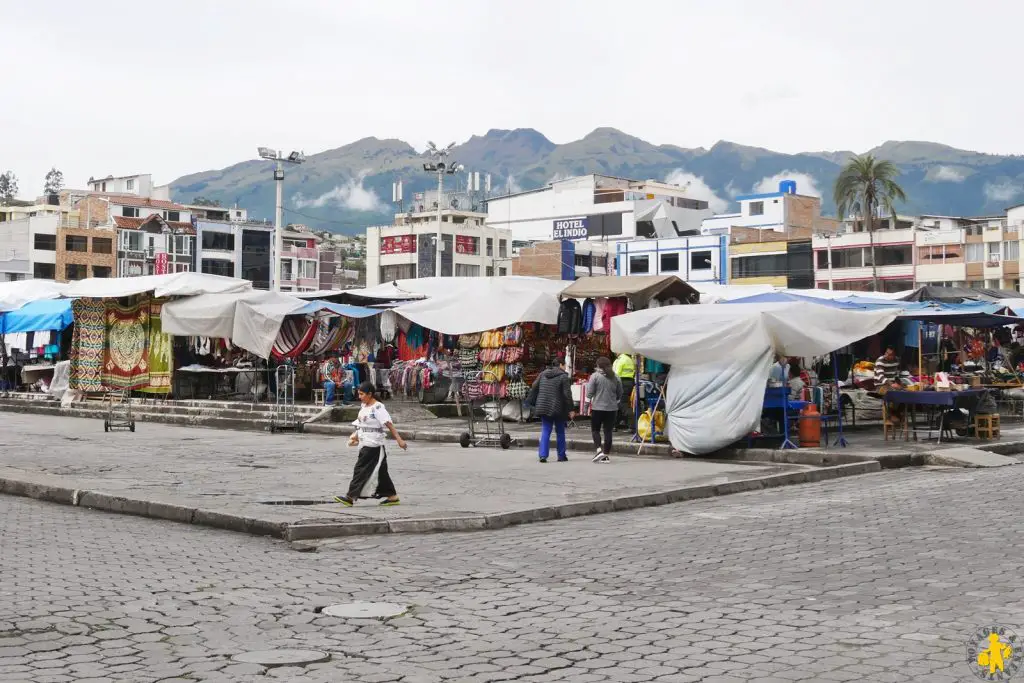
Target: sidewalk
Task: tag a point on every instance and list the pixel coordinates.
(282, 485)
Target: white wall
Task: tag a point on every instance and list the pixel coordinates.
(374, 260)
(142, 185)
(16, 247)
(773, 218)
(684, 247)
(43, 225)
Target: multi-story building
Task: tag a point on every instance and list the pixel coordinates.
(84, 252)
(844, 261)
(140, 185)
(300, 260)
(242, 249)
(600, 208)
(153, 236)
(982, 252)
(407, 249)
(701, 258)
(757, 257)
(797, 216)
(563, 259)
(28, 247)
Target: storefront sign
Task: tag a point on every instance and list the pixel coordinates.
(571, 229)
(464, 244)
(399, 244)
(161, 263)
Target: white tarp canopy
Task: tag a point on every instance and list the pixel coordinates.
(477, 304)
(172, 284)
(14, 295)
(712, 293)
(250, 319)
(721, 357)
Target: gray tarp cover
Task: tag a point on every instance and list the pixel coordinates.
(639, 288)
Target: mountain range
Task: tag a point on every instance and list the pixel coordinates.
(348, 188)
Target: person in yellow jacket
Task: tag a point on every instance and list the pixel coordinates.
(625, 368)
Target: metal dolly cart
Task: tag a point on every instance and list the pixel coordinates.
(119, 412)
(474, 399)
(283, 417)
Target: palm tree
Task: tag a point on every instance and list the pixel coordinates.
(864, 186)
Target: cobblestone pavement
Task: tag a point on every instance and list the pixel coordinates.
(877, 578)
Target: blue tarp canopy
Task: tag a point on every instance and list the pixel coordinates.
(320, 306)
(38, 316)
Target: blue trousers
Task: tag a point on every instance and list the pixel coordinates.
(546, 423)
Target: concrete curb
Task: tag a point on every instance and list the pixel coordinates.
(106, 502)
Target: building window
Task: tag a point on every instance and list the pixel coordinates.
(993, 252)
(639, 265)
(1011, 251)
(700, 260)
(130, 240)
(45, 242)
(502, 272)
(131, 184)
(182, 245)
(466, 270)
(174, 216)
(182, 267)
(130, 211)
(102, 245)
(756, 208)
(216, 266)
(221, 241)
(490, 247)
(669, 263)
(44, 271)
(104, 188)
(975, 253)
(75, 271)
(502, 249)
(490, 271)
(73, 243)
(307, 269)
(764, 265)
(101, 271)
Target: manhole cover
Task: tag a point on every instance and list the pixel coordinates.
(366, 610)
(272, 658)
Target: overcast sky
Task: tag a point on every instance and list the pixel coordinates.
(171, 88)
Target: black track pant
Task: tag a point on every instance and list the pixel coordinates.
(603, 419)
(370, 477)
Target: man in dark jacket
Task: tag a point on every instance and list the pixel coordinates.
(551, 398)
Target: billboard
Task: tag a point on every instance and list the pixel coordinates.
(571, 228)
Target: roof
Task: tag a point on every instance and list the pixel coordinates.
(639, 288)
(135, 200)
(126, 223)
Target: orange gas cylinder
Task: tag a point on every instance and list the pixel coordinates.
(809, 427)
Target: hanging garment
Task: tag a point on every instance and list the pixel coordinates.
(589, 309)
(570, 317)
(388, 326)
(87, 345)
(161, 356)
(296, 335)
(599, 306)
(612, 308)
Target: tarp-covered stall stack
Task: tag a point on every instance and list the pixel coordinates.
(721, 356)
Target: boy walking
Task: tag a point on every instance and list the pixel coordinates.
(370, 478)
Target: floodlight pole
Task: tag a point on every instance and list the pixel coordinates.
(278, 222)
(440, 189)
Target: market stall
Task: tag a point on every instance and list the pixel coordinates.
(31, 337)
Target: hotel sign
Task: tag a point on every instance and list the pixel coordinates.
(571, 229)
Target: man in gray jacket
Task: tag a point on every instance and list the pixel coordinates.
(551, 398)
(604, 389)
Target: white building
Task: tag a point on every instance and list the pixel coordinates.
(598, 207)
(240, 249)
(140, 184)
(28, 247)
(407, 248)
(694, 259)
(784, 211)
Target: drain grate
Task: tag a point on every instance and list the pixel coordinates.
(301, 501)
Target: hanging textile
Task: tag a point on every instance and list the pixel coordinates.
(87, 345)
(296, 335)
(330, 336)
(126, 351)
(161, 359)
(388, 326)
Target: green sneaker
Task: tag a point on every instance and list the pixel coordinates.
(344, 500)
(389, 503)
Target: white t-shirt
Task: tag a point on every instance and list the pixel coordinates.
(370, 424)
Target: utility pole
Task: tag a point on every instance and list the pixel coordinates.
(440, 166)
(279, 160)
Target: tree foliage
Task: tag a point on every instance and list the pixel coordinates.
(8, 187)
(864, 186)
(54, 182)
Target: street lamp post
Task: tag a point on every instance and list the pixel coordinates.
(279, 159)
(440, 166)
